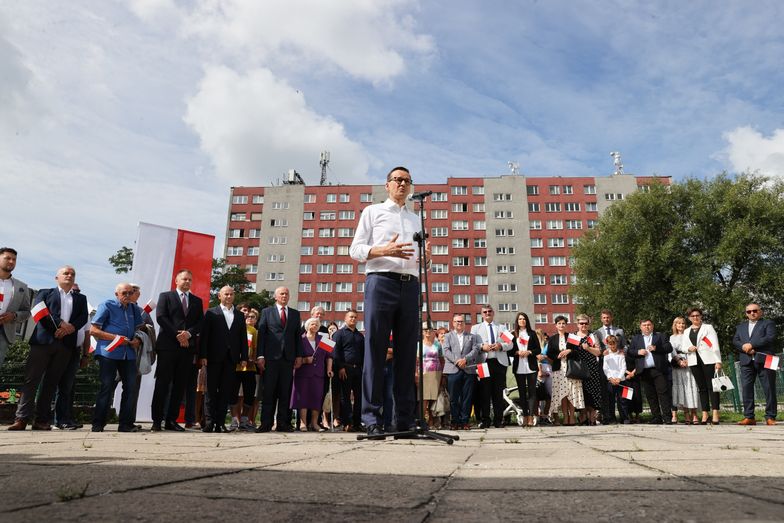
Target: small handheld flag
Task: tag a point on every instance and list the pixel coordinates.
(506, 337)
(250, 340)
(148, 308)
(522, 342)
(573, 339)
(326, 344)
(39, 312)
(771, 362)
(707, 341)
(627, 392)
(590, 341)
(483, 371)
(116, 342)
(2, 296)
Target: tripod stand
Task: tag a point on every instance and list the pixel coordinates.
(420, 430)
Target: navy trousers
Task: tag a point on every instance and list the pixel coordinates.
(767, 377)
(391, 306)
(461, 393)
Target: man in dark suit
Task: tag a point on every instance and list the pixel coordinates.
(753, 341)
(648, 350)
(461, 352)
(279, 352)
(222, 345)
(51, 346)
(179, 314)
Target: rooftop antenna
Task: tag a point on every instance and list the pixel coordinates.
(323, 162)
(514, 167)
(617, 161)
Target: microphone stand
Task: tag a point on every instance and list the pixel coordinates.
(421, 430)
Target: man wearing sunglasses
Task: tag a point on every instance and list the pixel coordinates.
(753, 341)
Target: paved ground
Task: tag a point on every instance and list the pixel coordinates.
(723, 473)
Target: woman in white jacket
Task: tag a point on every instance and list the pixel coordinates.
(704, 357)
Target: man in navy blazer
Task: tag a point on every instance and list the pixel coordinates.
(753, 341)
(222, 345)
(648, 350)
(279, 352)
(179, 314)
(51, 346)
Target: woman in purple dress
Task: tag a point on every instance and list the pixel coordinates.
(308, 390)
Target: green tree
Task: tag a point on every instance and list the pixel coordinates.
(717, 244)
(122, 260)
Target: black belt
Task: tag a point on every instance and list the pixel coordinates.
(396, 276)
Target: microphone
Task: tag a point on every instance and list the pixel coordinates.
(419, 195)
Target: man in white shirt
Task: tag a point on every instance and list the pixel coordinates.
(14, 301)
(494, 353)
(384, 241)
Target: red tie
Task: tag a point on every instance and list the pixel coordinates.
(283, 317)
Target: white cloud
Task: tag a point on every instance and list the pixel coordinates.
(256, 127)
(749, 150)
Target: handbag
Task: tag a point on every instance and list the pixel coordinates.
(721, 382)
(576, 369)
(441, 405)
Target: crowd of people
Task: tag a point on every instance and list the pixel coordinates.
(227, 362)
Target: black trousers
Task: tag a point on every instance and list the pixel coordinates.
(45, 366)
(221, 378)
(657, 392)
(703, 375)
(351, 414)
(526, 388)
(767, 377)
(171, 372)
(247, 380)
(492, 389)
(278, 377)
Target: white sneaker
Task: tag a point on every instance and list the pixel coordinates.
(234, 425)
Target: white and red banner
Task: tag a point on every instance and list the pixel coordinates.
(326, 344)
(627, 392)
(39, 311)
(771, 362)
(483, 371)
(573, 339)
(160, 252)
(116, 342)
(250, 341)
(707, 341)
(506, 337)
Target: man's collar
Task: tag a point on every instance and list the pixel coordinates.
(222, 306)
(391, 204)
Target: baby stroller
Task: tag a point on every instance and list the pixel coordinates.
(512, 407)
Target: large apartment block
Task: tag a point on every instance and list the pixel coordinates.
(502, 240)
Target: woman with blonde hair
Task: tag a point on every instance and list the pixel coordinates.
(685, 393)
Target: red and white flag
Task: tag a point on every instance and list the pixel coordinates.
(707, 341)
(148, 308)
(522, 341)
(627, 392)
(116, 342)
(39, 312)
(591, 341)
(573, 339)
(92, 345)
(326, 344)
(506, 337)
(250, 340)
(771, 362)
(2, 296)
(483, 371)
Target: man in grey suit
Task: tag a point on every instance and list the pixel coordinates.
(753, 341)
(607, 329)
(14, 301)
(461, 351)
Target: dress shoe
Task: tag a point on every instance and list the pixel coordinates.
(156, 427)
(209, 427)
(190, 425)
(127, 428)
(656, 421)
(375, 432)
(465, 426)
(41, 426)
(222, 428)
(263, 428)
(285, 428)
(96, 428)
(483, 425)
(19, 424)
(67, 426)
(770, 421)
(499, 425)
(669, 422)
(172, 425)
(747, 421)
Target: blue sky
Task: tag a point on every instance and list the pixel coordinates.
(113, 113)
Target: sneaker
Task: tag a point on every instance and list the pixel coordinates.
(234, 425)
(244, 425)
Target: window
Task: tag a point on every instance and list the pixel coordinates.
(439, 197)
(439, 268)
(440, 249)
(572, 242)
(480, 225)
(506, 269)
(459, 207)
(478, 207)
(480, 243)
(254, 233)
(536, 225)
(480, 261)
(507, 307)
(326, 250)
(553, 207)
(540, 318)
(306, 250)
(360, 308)
(460, 261)
(237, 217)
(234, 251)
(480, 279)
(440, 306)
(305, 268)
(236, 233)
(503, 215)
(644, 188)
(343, 250)
(502, 197)
(590, 224)
(459, 190)
(304, 287)
(555, 189)
(613, 196)
(255, 216)
(326, 305)
(591, 207)
(439, 214)
(557, 279)
(332, 198)
(461, 299)
(278, 240)
(537, 261)
(502, 251)
(574, 224)
(460, 225)
(253, 251)
(555, 243)
(554, 225)
(252, 269)
(532, 190)
(439, 232)
(460, 243)
(324, 268)
(507, 287)
(568, 189)
(274, 276)
(280, 205)
(307, 233)
(345, 232)
(540, 299)
(324, 287)
(536, 243)
(344, 198)
(344, 268)
(308, 215)
(461, 279)
(481, 299)
(309, 198)
(342, 306)
(573, 207)
(365, 197)
(361, 286)
(533, 207)
(303, 306)
(279, 222)
(557, 261)
(239, 199)
(504, 232)
(257, 198)
(440, 286)
(477, 190)
(539, 279)
(276, 258)
(327, 215)
(326, 233)
(589, 189)
(560, 299)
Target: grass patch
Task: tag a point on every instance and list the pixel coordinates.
(70, 493)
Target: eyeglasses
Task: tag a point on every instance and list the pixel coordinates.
(487, 312)
(752, 311)
(458, 321)
(400, 181)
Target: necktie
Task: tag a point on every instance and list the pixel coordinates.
(185, 304)
(609, 332)
(492, 336)
(283, 317)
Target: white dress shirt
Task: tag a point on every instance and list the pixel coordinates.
(615, 365)
(751, 327)
(66, 304)
(228, 314)
(180, 294)
(378, 224)
(649, 363)
(7, 292)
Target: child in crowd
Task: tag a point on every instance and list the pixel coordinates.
(615, 370)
